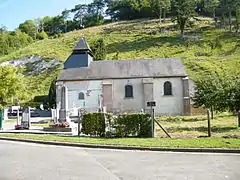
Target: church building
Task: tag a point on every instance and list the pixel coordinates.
(122, 86)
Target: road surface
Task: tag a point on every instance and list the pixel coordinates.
(22, 161)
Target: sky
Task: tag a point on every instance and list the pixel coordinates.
(14, 12)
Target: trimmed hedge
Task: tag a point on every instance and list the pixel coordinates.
(124, 125)
(94, 124)
(138, 125)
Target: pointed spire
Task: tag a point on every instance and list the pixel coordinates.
(82, 46)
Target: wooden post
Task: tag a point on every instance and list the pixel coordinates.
(79, 119)
(17, 116)
(29, 117)
(211, 112)
(152, 122)
(209, 125)
(163, 129)
(239, 119)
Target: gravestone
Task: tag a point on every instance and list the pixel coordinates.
(26, 116)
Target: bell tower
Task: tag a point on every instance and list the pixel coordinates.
(81, 56)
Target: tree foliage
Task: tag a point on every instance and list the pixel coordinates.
(42, 35)
(218, 91)
(29, 27)
(11, 84)
(160, 7)
(52, 95)
(99, 49)
(10, 41)
(184, 10)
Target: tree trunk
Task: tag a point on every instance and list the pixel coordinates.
(212, 113)
(225, 21)
(237, 19)
(164, 15)
(160, 15)
(214, 17)
(182, 22)
(230, 21)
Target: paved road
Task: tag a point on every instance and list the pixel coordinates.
(20, 161)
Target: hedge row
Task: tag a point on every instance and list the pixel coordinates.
(124, 125)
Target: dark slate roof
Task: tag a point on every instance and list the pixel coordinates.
(114, 69)
(82, 45)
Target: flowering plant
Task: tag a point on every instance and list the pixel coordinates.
(61, 124)
(17, 127)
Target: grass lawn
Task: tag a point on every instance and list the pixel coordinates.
(10, 121)
(144, 142)
(194, 126)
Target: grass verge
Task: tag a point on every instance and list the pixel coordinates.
(194, 126)
(142, 142)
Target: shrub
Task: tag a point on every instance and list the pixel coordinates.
(133, 125)
(125, 125)
(31, 104)
(42, 35)
(94, 124)
(99, 50)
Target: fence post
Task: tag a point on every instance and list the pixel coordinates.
(1, 118)
(209, 125)
(238, 119)
(152, 122)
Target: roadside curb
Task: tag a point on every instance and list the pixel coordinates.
(202, 150)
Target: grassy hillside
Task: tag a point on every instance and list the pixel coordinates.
(205, 48)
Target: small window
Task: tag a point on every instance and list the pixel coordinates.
(167, 88)
(81, 96)
(128, 91)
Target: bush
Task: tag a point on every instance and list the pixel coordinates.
(133, 125)
(42, 35)
(94, 124)
(99, 50)
(31, 104)
(125, 125)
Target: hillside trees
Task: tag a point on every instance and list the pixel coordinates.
(184, 10)
(211, 6)
(10, 41)
(29, 27)
(11, 84)
(99, 50)
(160, 7)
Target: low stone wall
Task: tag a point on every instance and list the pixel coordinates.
(57, 129)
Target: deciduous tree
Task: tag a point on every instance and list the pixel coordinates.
(11, 84)
(184, 10)
(29, 27)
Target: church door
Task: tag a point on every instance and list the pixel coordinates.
(107, 97)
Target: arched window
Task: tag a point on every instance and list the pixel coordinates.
(128, 91)
(167, 88)
(81, 96)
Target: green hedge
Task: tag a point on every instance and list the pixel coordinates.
(94, 124)
(124, 125)
(133, 125)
